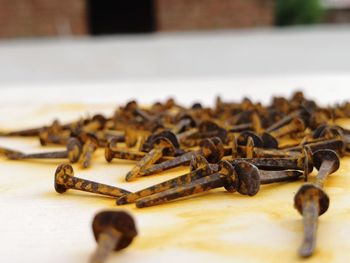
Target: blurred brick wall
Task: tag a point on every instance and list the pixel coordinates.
(35, 18)
(337, 16)
(22, 18)
(178, 15)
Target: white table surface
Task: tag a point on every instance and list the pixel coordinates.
(37, 224)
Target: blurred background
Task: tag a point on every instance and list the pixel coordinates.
(38, 18)
(55, 42)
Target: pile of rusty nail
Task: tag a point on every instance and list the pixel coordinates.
(238, 146)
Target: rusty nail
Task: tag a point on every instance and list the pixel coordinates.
(243, 178)
(200, 168)
(161, 146)
(73, 153)
(312, 201)
(65, 179)
(295, 125)
(208, 150)
(113, 231)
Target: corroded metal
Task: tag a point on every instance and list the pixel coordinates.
(296, 125)
(243, 178)
(89, 147)
(97, 122)
(274, 163)
(73, 153)
(6, 152)
(333, 144)
(279, 160)
(161, 146)
(242, 139)
(269, 141)
(256, 123)
(65, 179)
(150, 158)
(241, 127)
(111, 154)
(286, 120)
(201, 185)
(45, 137)
(268, 177)
(273, 153)
(172, 183)
(113, 231)
(205, 129)
(249, 151)
(304, 141)
(208, 150)
(31, 131)
(312, 201)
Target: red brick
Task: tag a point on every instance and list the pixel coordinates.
(33, 18)
(178, 15)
